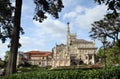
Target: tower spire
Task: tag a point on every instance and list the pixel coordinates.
(68, 23)
(68, 33)
(68, 28)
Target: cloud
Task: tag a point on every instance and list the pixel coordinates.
(44, 36)
(52, 31)
(81, 18)
(84, 17)
(52, 28)
(29, 43)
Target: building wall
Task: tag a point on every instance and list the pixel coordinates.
(20, 58)
(40, 61)
(75, 52)
(38, 58)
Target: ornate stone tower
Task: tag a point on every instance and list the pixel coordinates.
(68, 34)
(75, 52)
(68, 41)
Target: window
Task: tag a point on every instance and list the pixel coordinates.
(43, 58)
(39, 63)
(86, 57)
(90, 56)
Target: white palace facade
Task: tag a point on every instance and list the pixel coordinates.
(75, 52)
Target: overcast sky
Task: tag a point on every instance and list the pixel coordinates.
(44, 36)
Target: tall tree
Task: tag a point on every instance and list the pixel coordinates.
(14, 43)
(52, 7)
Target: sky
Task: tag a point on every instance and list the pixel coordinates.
(44, 36)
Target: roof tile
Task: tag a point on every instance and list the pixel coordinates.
(39, 53)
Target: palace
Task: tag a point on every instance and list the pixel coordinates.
(40, 58)
(75, 52)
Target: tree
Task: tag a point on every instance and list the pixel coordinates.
(52, 7)
(100, 55)
(2, 64)
(14, 41)
(112, 55)
(6, 58)
(115, 54)
(6, 19)
(110, 26)
(47, 6)
(113, 5)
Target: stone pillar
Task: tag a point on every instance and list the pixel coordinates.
(87, 59)
(53, 63)
(93, 59)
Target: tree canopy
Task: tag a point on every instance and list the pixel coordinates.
(112, 55)
(47, 6)
(113, 5)
(6, 19)
(52, 7)
(109, 26)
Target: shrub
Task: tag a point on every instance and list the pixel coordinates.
(109, 73)
(2, 64)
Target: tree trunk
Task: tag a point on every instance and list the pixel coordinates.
(11, 67)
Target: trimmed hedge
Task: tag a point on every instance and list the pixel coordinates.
(109, 73)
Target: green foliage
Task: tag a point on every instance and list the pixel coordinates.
(109, 73)
(6, 56)
(10, 26)
(47, 6)
(100, 54)
(2, 64)
(112, 55)
(6, 19)
(110, 26)
(113, 5)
